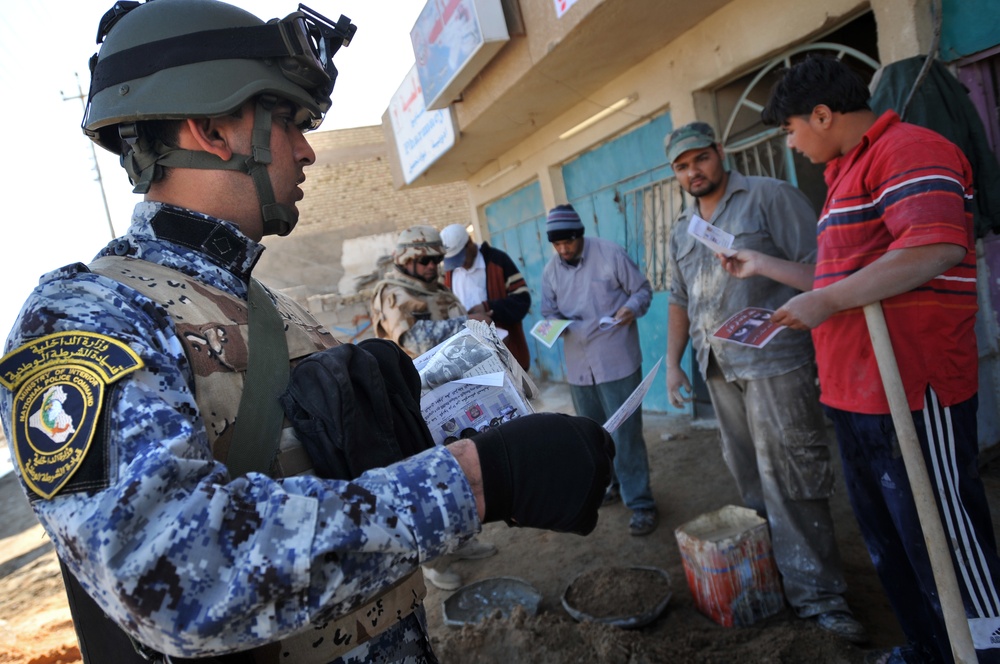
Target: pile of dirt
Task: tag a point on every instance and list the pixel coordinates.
(688, 478)
(555, 639)
(606, 593)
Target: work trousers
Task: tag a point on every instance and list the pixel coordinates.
(879, 490)
(775, 446)
(599, 402)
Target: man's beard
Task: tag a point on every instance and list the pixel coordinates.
(432, 279)
(707, 188)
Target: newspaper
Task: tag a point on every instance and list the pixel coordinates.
(470, 382)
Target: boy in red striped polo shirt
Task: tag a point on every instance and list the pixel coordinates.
(897, 228)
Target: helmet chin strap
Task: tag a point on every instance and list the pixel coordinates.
(144, 163)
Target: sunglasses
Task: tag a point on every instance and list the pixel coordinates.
(430, 260)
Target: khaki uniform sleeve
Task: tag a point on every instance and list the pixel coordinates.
(394, 311)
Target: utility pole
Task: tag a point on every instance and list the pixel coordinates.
(93, 152)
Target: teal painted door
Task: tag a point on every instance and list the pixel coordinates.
(598, 185)
(968, 26)
(517, 226)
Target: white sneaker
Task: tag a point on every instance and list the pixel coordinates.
(475, 550)
(445, 580)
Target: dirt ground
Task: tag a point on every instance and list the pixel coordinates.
(688, 478)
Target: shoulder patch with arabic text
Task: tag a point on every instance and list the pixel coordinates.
(59, 383)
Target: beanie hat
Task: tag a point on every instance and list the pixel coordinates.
(563, 223)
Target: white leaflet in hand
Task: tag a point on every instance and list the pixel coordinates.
(607, 322)
(711, 236)
(633, 401)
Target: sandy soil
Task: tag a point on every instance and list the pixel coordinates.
(689, 479)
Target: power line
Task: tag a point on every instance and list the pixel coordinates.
(97, 166)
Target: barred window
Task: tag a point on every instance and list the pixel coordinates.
(652, 210)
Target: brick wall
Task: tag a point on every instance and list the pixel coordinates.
(350, 187)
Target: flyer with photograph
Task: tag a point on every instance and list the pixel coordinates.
(713, 237)
(750, 327)
(548, 330)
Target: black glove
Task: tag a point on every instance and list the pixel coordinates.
(545, 471)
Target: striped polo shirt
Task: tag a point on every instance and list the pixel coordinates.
(901, 186)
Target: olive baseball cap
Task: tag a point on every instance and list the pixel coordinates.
(689, 137)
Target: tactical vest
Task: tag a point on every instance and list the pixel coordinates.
(399, 300)
(213, 328)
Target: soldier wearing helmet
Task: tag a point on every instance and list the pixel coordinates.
(142, 393)
(410, 305)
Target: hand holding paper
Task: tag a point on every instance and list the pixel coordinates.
(750, 327)
(607, 322)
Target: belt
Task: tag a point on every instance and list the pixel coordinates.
(322, 644)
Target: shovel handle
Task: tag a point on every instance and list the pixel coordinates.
(927, 510)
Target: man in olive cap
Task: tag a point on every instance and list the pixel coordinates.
(766, 399)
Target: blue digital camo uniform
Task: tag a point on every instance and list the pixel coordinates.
(191, 561)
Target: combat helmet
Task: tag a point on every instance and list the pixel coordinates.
(177, 59)
(416, 242)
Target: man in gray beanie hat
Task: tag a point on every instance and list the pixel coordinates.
(589, 279)
(563, 223)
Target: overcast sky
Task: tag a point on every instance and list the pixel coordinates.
(53, 210)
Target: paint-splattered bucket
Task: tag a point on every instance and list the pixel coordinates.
(730, 566)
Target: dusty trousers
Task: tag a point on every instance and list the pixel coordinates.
(599, 402)
(775, 445)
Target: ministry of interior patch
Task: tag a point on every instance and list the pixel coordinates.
(58, 383)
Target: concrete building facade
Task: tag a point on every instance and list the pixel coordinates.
(575, 106)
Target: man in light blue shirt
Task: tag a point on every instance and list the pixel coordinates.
(589, 279)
